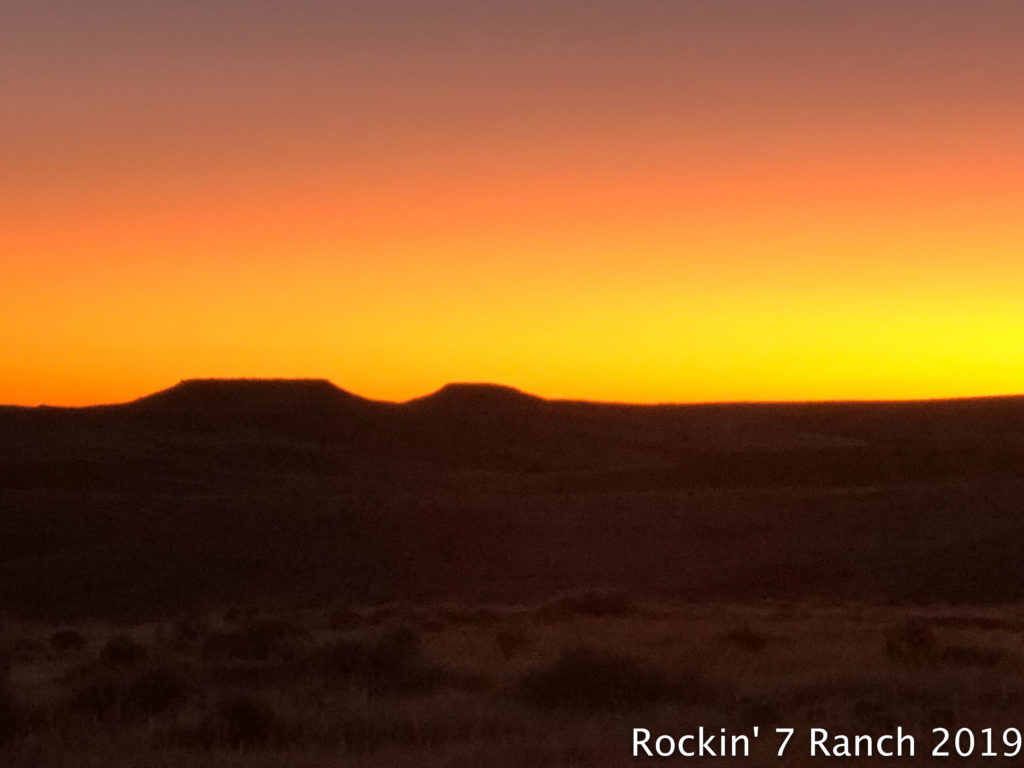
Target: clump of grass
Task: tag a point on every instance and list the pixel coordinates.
(129, 696)
(396, 649)
(456, 614)
(786, 611)
(342, 619)
(241, 615)
(232, 615)
(512, 641)
(983, 623)
(757, 710)
(64, 640)
(186, 634)
(239, 721)
(123, 650)
(339, 659)
(590, 603)
(975, 656)
(589, 679)
(911, 642)
(253, 654)
(393, 662)
(10, 713)
(255, 642)
(245, 721)
(746, 638)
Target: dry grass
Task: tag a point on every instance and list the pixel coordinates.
(464, 686)
(586, 679)
(10, 715)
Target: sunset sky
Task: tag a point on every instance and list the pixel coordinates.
(643, 200)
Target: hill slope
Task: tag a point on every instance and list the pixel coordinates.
(216, 490)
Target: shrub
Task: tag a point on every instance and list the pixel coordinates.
(512, 641)
(187, 633)
(126, 698)
(788, 612)
(911, 642)
(341, 659)
(238, 721)
(396, 648)
(603, 680)
(591, 603)
(245, 721)
(10, 716)
(746, 638)
(975, 656)
(257, 642)
(396, 664)
(341, 619)
(153, 692)
(392, 663)
(67, 640)
(457, 614)
(123, 650)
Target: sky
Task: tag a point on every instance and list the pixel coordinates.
(647, 201)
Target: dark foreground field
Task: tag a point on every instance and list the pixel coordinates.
(558, 684)
(853, 567)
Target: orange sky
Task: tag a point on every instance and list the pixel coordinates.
(646, 201)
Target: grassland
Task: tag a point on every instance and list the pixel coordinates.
(854, 567)
(562, 683)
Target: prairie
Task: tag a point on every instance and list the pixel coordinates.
(562, 683)
(280, 573)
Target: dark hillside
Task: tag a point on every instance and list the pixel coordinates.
(233, 490)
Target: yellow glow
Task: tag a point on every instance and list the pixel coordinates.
(639, 257)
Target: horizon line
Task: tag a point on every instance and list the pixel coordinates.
(525, 393)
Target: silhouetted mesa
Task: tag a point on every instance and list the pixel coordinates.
(227, 395)
(290, 406)
(462, 396)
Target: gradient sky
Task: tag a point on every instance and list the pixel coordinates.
(635, 200)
